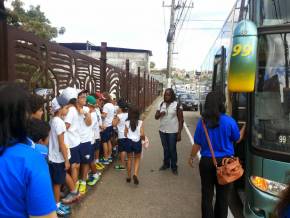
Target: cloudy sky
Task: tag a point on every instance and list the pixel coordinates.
(141, 24)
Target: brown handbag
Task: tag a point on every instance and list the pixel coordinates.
(231, 168)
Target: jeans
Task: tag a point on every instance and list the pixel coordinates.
(208, 178)
(168, 141)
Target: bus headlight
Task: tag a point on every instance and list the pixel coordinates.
(268, 186)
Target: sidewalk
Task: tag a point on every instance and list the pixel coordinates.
(159, 194)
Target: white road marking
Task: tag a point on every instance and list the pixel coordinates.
(230, 215)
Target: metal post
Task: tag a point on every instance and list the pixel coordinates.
(151, 88)
(4, 76)
(127, 77)
(148, 88)
(138, 89)
(103, 67)
(170, 41)
(144, 86)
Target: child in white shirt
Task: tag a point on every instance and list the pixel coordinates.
(134, 131)
(119, 122)
(59, 155)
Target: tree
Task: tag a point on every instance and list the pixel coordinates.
(32, 20)
(152, 65)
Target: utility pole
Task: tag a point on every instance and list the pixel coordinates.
(171, 34)
(170, 41)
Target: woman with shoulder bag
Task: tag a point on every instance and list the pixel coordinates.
(171, 123)
(222, 131)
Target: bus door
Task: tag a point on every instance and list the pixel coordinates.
(239, 113)
(218, 82)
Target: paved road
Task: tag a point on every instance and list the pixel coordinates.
(159, 194)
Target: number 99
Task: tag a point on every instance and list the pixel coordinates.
(237, 49)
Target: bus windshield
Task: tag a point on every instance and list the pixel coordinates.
(271, 129)
(275, 12)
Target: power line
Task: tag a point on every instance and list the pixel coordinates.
(202, 20)
(202, 28)
(185, 16)
(164, 20)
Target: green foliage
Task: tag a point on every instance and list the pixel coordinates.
(32, 20)
(152, 65)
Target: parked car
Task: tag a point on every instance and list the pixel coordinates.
(188, 102)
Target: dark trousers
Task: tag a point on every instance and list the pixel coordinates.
(168, 141)
(208, 177)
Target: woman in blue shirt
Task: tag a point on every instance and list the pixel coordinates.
(223, 131)
(25, 187)
(283, 207)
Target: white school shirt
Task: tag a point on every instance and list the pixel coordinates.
(169, 122)
(109, 109)
(57, 126)
(86, 132)
(136, 135)
(72, 133)
(99, 115)
(121, 125)
(116, 109)
(95, 126)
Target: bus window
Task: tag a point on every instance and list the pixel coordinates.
(272, 97)
(275, 12)
(218, 82)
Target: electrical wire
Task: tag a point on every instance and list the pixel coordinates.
(185, 17)
(164, 21)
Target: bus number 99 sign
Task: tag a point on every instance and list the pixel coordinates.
(243, 50)
(282, 139)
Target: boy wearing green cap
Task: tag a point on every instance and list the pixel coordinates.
(94, 177)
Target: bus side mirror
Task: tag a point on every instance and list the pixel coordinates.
(243, 61)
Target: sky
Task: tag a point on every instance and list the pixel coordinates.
(138, 24)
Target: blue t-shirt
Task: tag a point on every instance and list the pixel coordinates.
(42, 149)
(222, 137)
(286, 212)
(25, 185)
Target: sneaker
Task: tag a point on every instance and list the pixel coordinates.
(98, 167)
(62, 210)
(77, 185)
(110, 159)
(120, 167)
(175, 172)
(70, 198)
(101, 165)
(82, 188)
(106, 162)
(91, 181)
(102, 160)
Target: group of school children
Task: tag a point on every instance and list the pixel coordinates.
(80, 140)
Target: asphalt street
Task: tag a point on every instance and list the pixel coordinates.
(160, 194)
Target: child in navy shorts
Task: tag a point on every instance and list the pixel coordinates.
(58, 154)
(119, 122)
(134, 131)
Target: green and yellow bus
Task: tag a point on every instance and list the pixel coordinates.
(249, 63)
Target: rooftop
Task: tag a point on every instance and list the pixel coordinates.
(85, 46)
